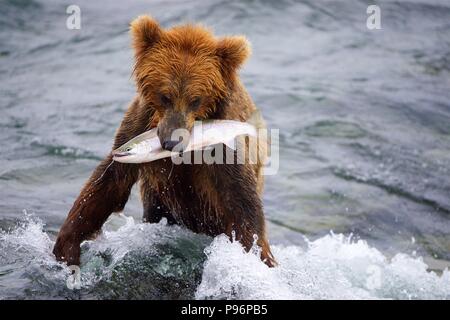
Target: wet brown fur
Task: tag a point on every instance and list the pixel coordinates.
(183, 63)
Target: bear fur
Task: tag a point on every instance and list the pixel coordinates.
(182, 74)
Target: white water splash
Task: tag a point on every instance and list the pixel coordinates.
(331, 267)
(122, 235)
(27, 239)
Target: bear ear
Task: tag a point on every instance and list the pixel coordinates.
(145, 32)
(233, 51)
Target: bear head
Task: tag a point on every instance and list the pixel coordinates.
(183, 73)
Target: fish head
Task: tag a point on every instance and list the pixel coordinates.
(137, 149)
(127, 153)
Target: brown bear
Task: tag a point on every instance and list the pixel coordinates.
(182, 74)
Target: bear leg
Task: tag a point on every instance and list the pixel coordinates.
(154, 209)
(240, 205)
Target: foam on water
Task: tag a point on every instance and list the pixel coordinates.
(331, 267)
(26, 261)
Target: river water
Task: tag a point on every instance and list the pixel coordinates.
(360, 207)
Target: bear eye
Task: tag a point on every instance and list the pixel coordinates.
(196, 103)
(165, 100)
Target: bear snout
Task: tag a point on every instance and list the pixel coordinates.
(169, 144)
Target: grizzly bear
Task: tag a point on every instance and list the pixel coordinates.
(182, 74)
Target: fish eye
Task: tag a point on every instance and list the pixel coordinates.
(128, 149)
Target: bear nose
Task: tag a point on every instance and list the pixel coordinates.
(169, 144)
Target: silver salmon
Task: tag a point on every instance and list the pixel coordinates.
(146, 147)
